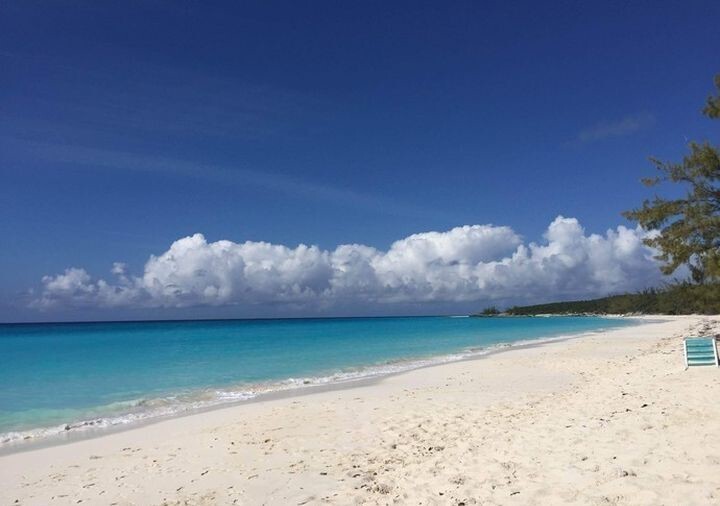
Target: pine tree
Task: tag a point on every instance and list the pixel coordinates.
(690, 226)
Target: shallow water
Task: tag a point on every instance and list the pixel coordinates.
(57, 377)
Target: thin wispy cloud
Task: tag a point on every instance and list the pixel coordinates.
(151, 100)
(102, 159)
(622, 127)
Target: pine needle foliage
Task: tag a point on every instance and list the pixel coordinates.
(690, 226)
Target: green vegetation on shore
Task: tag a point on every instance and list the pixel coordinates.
(683, 298)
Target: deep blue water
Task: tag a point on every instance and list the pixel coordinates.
(57, 374)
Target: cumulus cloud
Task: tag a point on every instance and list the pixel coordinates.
(469, 263)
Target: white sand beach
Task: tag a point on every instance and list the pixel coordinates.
(611, 418)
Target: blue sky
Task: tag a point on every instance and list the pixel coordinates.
(127, 127)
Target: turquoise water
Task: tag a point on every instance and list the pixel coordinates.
(58, 377)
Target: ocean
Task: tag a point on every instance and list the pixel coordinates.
(58, 378)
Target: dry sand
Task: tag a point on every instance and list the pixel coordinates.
(607, 419)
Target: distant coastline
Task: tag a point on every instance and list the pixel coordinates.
(676, 299)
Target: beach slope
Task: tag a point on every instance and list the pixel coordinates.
(611, 418)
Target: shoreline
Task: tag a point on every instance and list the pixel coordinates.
(27, 440)
(547, 423)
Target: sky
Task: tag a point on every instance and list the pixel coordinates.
(282, 159)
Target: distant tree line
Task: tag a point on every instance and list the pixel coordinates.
(682, 298)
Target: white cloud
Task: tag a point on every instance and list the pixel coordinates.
(73, 283)
(470, 263)
(119, 268)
